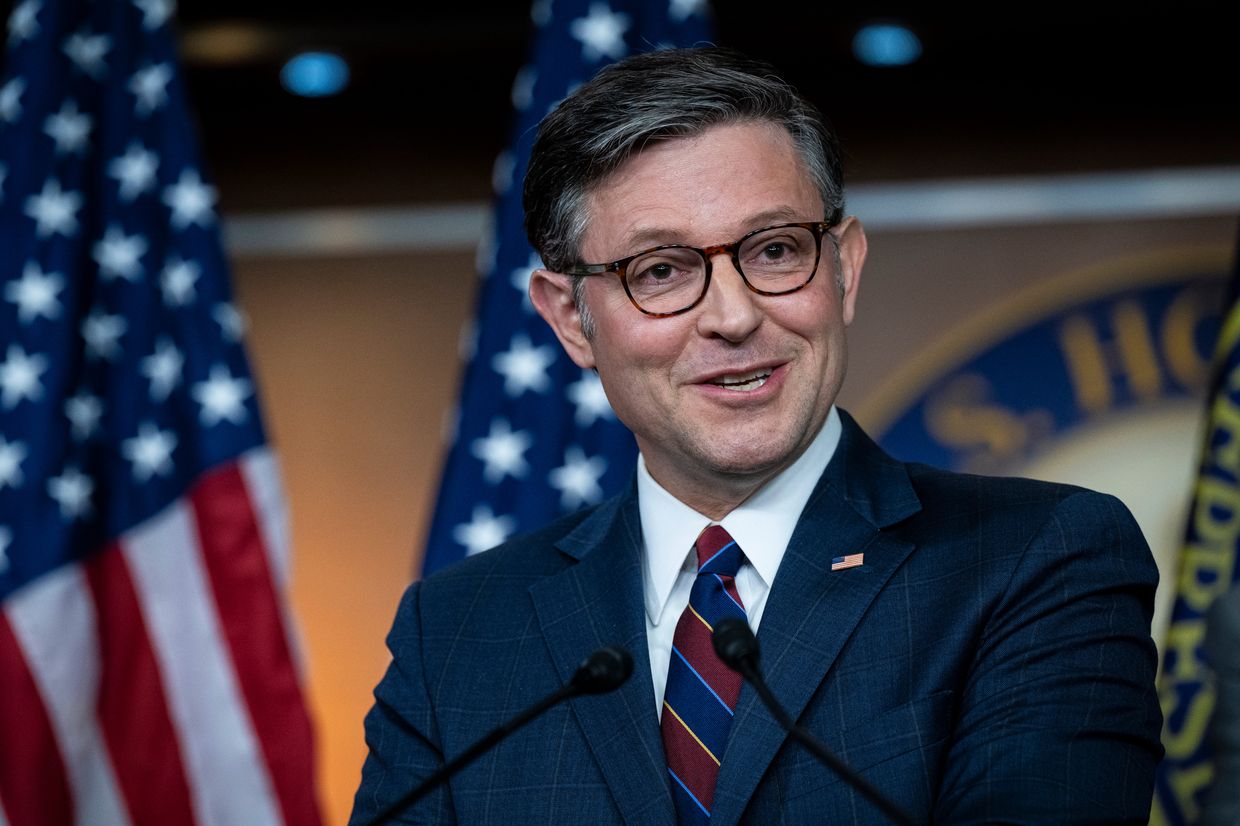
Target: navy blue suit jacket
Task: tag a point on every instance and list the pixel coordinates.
(989, 662)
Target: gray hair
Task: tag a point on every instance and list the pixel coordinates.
(652, 97)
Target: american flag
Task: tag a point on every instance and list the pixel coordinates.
(535, 436)
(146, 669)
(842, 563)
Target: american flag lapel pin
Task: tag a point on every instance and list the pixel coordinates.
(840, 563)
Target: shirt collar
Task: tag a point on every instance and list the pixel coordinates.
(762, 525)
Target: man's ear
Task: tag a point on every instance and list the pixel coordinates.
(853, 246)
(552, 295)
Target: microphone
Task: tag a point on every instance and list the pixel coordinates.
(604, 670)
(737, 648)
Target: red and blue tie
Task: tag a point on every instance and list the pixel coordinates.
(701, 691)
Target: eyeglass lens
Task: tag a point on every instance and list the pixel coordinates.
(774, 260)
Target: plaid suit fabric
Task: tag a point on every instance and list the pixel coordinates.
(989, 661)
(701, 691)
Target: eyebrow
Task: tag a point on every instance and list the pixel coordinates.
(646, 238)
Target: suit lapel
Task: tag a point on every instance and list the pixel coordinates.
(812, 610)
(598, 602)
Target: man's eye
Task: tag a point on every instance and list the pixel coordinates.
(658, 272)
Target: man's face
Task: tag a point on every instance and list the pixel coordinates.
(730, 393)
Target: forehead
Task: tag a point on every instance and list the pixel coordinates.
(703, 189)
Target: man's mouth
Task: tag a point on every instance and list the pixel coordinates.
(743, 382)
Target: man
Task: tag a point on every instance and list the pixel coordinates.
(977, 649)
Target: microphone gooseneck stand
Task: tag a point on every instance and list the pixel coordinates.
(603, 671)
(737, 647)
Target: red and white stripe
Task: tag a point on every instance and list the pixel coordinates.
(156, 683)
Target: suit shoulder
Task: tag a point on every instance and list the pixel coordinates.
(527, 557)
(1022, 508)
(485, 590)
(936, 486)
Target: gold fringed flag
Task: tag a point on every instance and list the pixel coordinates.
(1207, 570)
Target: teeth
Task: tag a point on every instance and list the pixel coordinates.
(743, 381)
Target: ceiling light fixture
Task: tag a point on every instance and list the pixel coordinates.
(886, 44)
(315, 74)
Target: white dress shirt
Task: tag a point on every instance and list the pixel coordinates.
(762, 526)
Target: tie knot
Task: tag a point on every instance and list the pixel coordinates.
(717, 552)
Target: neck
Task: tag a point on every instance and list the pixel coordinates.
(713, 496)
(716, 492)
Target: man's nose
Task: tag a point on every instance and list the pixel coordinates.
(730, 309)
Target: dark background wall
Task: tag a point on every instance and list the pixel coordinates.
(1017, 89)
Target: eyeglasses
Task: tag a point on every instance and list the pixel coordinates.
(673, 278)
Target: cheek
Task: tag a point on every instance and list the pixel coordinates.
(637, 370)
(638, 342)
(818, 322)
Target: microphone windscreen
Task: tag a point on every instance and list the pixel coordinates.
(604, 670)
(735, 643)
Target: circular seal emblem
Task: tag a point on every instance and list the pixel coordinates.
(1094, 377)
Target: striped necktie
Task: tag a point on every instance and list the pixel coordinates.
(701, 691)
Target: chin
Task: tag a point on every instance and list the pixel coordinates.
(750, 459)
